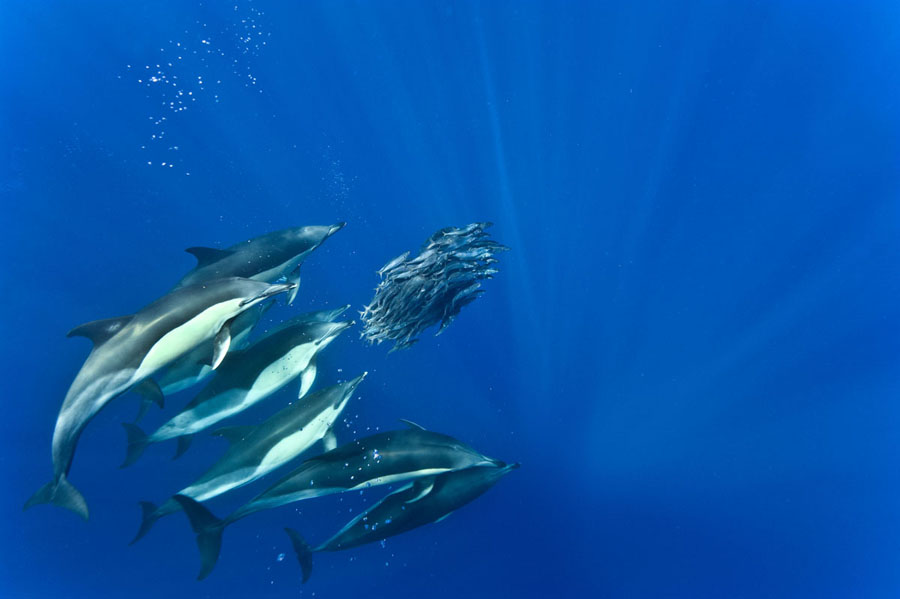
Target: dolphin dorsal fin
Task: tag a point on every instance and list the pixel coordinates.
(421, 488)
(206, 256)
(99, 331)
(234, 434)
(413, 425)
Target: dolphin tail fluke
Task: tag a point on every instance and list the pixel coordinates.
(62, 493)
(137, 443)
(303, 550)
(149, 516)
(208, 529)
(184, 441)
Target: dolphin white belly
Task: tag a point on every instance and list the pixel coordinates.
(188, 335)
(282, 371)
(298, 442)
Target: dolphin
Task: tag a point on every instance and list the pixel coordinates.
(415, 504)
(265, 258)
(317, 316)
(246, 377)
(130, 349)
(193, 367)
(257, 450)
(379, 459)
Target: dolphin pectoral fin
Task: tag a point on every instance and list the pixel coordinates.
(221, 343)
(304, 552)
(206, 256)
(99, 331)
(234, 434)
(307, 378)
(137, 443)
(208, 529)
(150, 393)
(329, 441)
(184, 441)
(62, 493)
(293, 279)
(412, 424)
(421, 489)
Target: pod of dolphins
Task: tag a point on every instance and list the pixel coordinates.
(416, 293)
(201, 330)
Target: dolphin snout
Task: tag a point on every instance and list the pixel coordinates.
(269, 292)
(335, 329)
(355, 382)
(335, 228)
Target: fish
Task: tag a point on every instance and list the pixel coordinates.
(128, 350)
(430, 288)
(380, 459)
(424, 501)
(257, 450)
(245, 378)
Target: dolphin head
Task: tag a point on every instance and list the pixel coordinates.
(347, 390)
(326, 332)
(309, 238)
(487, 475)
(263, 291)
(501, 469)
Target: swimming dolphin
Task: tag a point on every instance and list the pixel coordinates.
(193, 367)
(265, 258)
(257, 450)
(415, 504)
(245, 378)
(379, 459)
(130, 349)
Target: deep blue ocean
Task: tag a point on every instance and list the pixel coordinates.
(692, 347)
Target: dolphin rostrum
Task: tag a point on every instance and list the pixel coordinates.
(246, 377)
(130, 349)
(379, 459)
(415, 504)
(265, 258)
(257, 450)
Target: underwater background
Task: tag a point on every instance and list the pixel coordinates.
(692, 347)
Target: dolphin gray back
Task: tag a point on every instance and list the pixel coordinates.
(382, 455)
(258, 258)
(421, 502)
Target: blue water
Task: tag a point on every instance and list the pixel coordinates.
(692, 347)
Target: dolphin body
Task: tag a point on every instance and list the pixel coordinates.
(245, 378)
(265, 258)
(379, 459)
(257, 450)
(130, 349)
(268, 258)
(415, 504)
(194, 367)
